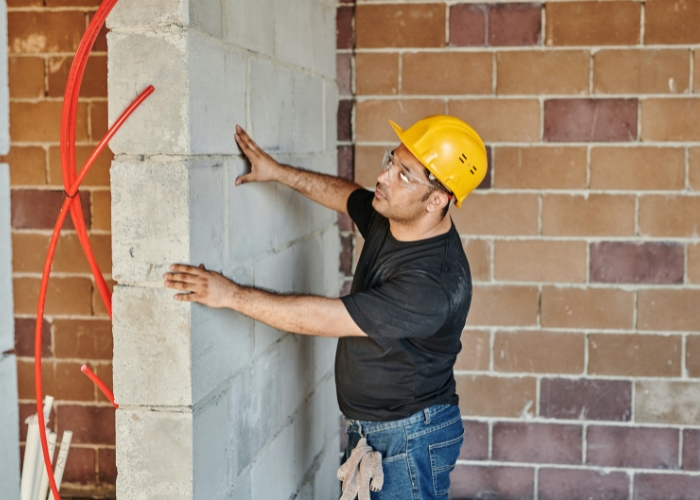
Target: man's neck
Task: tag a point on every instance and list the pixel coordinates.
(419, 230)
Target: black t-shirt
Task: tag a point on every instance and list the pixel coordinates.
(411, 299)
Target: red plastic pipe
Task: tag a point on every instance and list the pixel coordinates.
(100, 385)
(71, 183)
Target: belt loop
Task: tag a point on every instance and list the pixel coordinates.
(426, 414)
(359, 428)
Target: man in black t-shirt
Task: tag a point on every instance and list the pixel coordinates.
(399, 328)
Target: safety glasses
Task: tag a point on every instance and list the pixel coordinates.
(400, 174)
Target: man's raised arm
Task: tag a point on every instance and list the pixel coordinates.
(329, 191)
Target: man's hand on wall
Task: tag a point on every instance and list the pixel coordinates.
(200, 285)
(263, 166)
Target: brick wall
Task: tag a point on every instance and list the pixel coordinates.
(42, 38)
(580, 370)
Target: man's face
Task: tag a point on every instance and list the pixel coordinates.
(396, 201)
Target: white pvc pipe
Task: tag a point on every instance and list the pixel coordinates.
(40, 466)
(48, 404)
(44, 484)
(61, 460)
(31, 450)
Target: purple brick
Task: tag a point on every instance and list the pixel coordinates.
(590, 120)
(346, 162)
(666, 487)
(639, 447)
(623, 262)
(38, 208)
(492, 482)
(346, 244)
(487, 183)
(691, 449)
(586, 399)
(345, 119)
(578, 484)
(344, 73)
(537, 443)
(24, 337)
(515, 24)
(344, 36)
(476, 441)
(467, 25)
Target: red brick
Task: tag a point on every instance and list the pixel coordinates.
(42, 32)
(26, 77)
(537, 443)
(90, 424)
(694, 160)
(590, 120)
(343, 27)
(30, 249)
(450, 73)
(94, 83)
(80, 466)
(542, 72)
(538, 260)
(476, 351)
(479, 256)
(27, 165)
(586, 399)
(694, 263)
(539, 352)
(626, 262)
(101, 40)
(98, 308)
(25, 3)
(372, 117)
(665, 310)
(559, 483)
(101, 210)
(669, 216)
(671, 21)
(62, 380)
(692, 355)
(592, 23)
(467, 25)
(38, 209)
(641, 71)
(65, 296)
(72, 3)
(344, 73)
(368, 164)
(98, 120)
(515, 24)
(41, 121)
(488, 481)
(500, 120)
(503, 305)
(345, 107)
(592, 215)
(540, 167)
(489, 396)
(377, 73)
(86, 339)
(499, 214)
(637, 168)
(638, 447)
(675, 486)
(107, 465)
(602, 308)
(99, 173)
(671, 119)
(400, 25)
(476, 441)
(25, 338)
(106, 374)
(635, 355)
(691, 449)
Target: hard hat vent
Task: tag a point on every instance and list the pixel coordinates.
(463, 156)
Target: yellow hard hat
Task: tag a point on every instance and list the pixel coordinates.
(452, 151)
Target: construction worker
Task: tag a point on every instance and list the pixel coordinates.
(399, 328)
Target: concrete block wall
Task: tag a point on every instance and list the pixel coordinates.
(212, 404)
(580, 370)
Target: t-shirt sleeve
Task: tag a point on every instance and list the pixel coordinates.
(411, 305)
(361, 210)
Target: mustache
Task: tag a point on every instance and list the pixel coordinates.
(380, 187)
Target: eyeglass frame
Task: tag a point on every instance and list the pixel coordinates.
(410, 175)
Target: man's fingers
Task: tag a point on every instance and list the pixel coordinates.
(185, 297)
(242, 179)
(184, 268)
(184, 277)
(179, 285)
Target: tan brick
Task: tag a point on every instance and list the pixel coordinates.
(641, 71)
(78, 338)
(587, 308)
(104, 371)
(669, 215)
(101, 210)
(476, 351)
(548, 261)
(99, 173)
(634, 355)
(371, 121)
(692, 355)
(26, 77)
(694, 168)
(667, 402)
(542, 72)
(487, 396)
(671, 21)
(497, 213)
(664, 310)
(592, 23)
(62, 379)
(694, 263)
(400, 25)
(65, 296)
(98, 306)
(451, 73)
(29, 253)
(377, 74)
(479, 256)
(368, 164)
(503, 305)
(27, 165)
(94, 83)
(540, 167)
(637, 168)
(42, 32)
(98, 120)
(500, 120)
(671, 119)
(539, 352)
(41, 121)
(696, 74)
(594, 215)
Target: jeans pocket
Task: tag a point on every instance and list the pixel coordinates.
(397, 479)
(443, 457)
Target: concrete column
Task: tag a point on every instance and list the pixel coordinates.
(212, 404)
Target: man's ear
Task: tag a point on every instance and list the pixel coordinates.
(437, 201)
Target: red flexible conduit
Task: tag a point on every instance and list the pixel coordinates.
(71, 183)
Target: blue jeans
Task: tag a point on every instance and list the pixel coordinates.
(418, 452)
